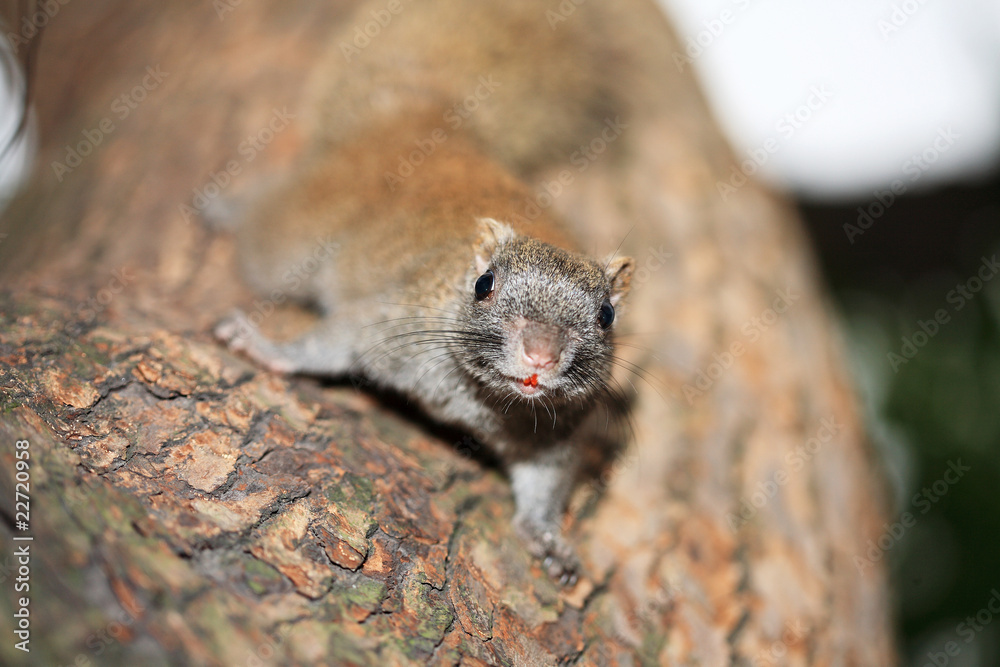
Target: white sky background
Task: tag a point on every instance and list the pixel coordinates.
(897, 72)
(894, 75)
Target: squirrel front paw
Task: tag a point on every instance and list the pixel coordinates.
(557, 555)
(242, 335)
(235, 330)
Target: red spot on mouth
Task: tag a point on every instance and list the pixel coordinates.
(532, 381)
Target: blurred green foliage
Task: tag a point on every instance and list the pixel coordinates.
(926, 358)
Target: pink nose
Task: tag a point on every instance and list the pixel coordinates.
(541, 345)
(538, 356)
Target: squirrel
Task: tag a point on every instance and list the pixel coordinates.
(436, 288)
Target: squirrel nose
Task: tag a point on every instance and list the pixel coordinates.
(538, 357)
(540, 346)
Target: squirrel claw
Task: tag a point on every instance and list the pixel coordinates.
(558, 558)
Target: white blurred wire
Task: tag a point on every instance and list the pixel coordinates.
(17, 151)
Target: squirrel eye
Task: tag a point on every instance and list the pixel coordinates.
(484, 286)
(606, 315)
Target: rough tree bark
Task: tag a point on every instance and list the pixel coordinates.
(189, 508)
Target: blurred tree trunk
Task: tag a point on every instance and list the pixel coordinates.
(190, 508)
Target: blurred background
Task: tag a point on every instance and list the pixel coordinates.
(882, 120)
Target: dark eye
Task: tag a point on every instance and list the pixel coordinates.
(484, 286)
(606, 315)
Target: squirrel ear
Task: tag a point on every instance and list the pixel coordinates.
(492, 234)
(619, 274)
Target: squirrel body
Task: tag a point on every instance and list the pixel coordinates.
(433, 288)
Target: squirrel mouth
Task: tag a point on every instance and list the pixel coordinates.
(528, 385)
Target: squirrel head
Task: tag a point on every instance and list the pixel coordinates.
(542, 317)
